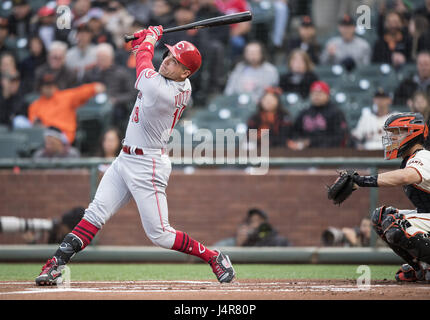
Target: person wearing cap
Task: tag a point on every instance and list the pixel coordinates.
(20, 19)
(96, 24)
(306, 40)
(56, 146)
(346, 49)
(82, 57)
(46, 26)
(57, 107)
(368, 132)
(322, 125)
(395, 45)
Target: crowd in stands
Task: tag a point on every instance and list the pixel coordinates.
(48, 72)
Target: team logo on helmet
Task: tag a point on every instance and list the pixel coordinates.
(402, 131)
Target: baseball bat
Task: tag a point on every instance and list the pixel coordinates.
(211, 22)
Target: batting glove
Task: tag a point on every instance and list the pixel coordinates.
(140, 37)
(155, 32)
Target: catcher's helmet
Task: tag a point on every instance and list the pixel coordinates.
(187, 54)
(403, 130)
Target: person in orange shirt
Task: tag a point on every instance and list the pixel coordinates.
(58, 107)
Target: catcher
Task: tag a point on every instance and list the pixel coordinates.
(405, 231)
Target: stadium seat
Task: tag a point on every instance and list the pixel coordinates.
(34, 138)
(93, 118)
(12, 144)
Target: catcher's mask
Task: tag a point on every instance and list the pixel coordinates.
(402, 131)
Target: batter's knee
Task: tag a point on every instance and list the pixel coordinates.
(164, 239)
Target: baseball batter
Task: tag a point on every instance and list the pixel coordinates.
(142, 169)
(405, 231)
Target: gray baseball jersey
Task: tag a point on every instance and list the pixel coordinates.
(159, 105)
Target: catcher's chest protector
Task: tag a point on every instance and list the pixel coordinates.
(419, 198)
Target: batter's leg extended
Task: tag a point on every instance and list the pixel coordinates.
(150, 196)
(112, 193)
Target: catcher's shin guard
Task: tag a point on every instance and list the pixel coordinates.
(377, 217)
(417, 245)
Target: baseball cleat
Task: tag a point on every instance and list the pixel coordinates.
(222, 267)
(408, 274)
(51, 273)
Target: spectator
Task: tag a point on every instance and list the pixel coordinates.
(424, 10)
(118, 81)
(238, 31)
(161, 14)
(81, 57)
(96, 24)
(57, 107)
(12, 102)
(300, 74)
(140, 10)
(80, 11)
(20, 20)
(5, 46)
(46, 26)
(8, 63)
(420, 81)
(255, 231)
(347, 49)
(253, 74)
(56, 64)
(56, 145)
(110, 146)
(420, 102)
(418, 29)
(306, 40)
(395, 46)
(322, 125)
(271, 115)
(28, 66)
(117, 19)
(211, 49)
(206, 9)
(368, 131)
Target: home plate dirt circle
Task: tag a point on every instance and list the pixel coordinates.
(211, 290)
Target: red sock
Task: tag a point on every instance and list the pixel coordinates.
(184, 243)
(85, 231)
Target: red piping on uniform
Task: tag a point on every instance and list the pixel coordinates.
(156, 191)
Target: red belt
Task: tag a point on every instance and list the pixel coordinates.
(137, 151)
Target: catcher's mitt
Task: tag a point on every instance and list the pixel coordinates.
(342, 188)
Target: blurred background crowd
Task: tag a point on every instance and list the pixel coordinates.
(305, 69)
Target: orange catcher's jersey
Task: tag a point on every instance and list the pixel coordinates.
(421, 163)
(158, 107)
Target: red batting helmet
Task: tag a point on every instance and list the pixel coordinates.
(187, 54)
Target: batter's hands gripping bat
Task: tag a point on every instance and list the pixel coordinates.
(212, 22)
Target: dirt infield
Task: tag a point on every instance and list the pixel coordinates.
(211, 290)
